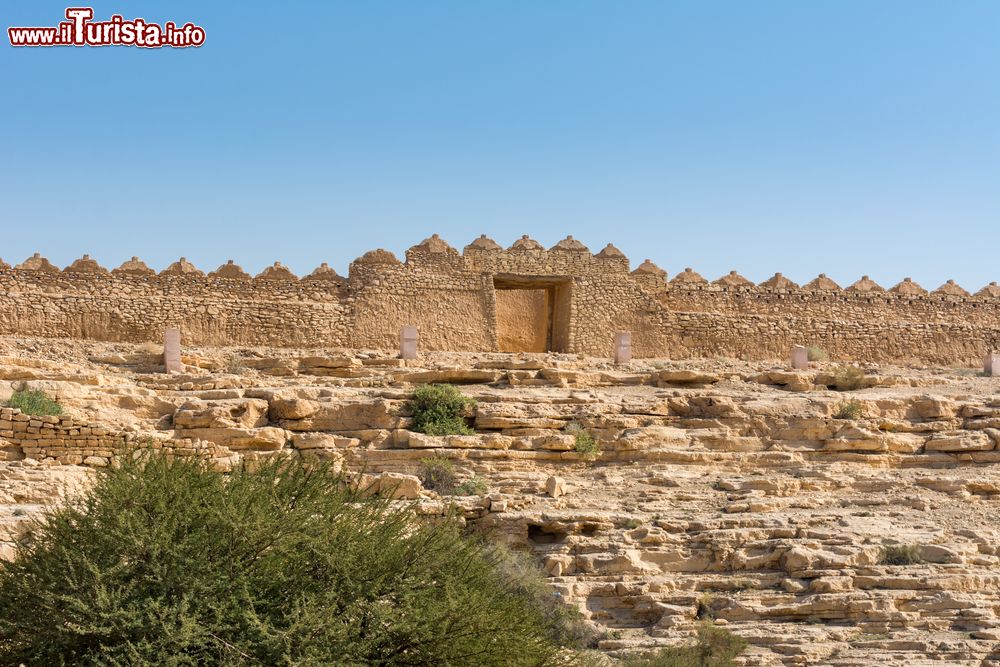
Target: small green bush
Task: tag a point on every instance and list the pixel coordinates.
(849, 410)
(437, 473)
(901, 554)
(816, 353)
(584, 443)
(440, 409)
(164, 561)
(714, 647)
(474, 486)
(34, 403)
(849, 378)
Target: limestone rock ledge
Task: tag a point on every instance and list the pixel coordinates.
(723, 490)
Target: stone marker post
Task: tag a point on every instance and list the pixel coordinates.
(623, 347)
(172, 351)
(991, 365)
(800, 358)
(408, 338)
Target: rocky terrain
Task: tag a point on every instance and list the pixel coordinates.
(828, 516)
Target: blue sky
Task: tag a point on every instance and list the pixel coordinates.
(841, 136)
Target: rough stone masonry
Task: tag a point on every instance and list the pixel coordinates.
(521, 299)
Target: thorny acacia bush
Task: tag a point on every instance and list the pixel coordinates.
(168, 562)
(440, 409)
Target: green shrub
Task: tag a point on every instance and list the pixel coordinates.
(167, 562)
(474, 486)
(440, 409)
(584, 443)
(849, 378)
(901, 554)
(34, 403)
(438, 474)
(849, 410)
(714, 647)
(816, 353)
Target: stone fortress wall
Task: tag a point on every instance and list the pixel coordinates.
(523, 298)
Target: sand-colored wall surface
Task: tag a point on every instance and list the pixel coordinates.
(453, 300)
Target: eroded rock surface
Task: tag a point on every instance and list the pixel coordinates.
(744, 493)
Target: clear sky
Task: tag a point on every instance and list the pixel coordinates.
(843, 136)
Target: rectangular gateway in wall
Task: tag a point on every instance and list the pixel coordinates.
(532, 313)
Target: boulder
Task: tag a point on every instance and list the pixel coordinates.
(400, 487)
(966, 442)
(555, 486)
(292, 408)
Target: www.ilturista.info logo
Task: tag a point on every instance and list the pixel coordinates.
(80, 30)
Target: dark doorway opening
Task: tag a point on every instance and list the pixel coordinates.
(532, 313)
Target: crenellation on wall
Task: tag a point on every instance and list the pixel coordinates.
(277, 271)
(370, 266)
(991, 291)
(451, 297)
(952, 288)
(230, 270)
(865, 284)
(734, 279)
(435, 256)
(779, 283)
(528, 257)
(85, 265)
(135, 266)
(821, 283)
(688, 277)
(325, 272)
(37, 263)
(908, 287)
